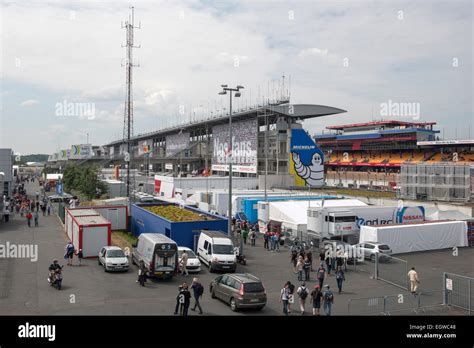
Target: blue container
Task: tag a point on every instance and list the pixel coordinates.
(183, 233)
(251, 204)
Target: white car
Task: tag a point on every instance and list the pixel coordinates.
(193, 264)
(113, 259)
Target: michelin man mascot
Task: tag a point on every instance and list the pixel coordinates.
(312, 174)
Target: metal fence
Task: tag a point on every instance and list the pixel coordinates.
(399, 304)
(458, 291)
(392, 270)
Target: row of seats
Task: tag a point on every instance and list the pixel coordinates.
(410, 157)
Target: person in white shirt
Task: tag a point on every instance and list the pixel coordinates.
(414, 281)
(303, 293)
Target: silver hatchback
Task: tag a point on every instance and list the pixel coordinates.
(371, 249)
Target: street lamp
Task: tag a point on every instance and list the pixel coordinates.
(225, 88)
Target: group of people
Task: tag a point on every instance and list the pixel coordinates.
(20, 204)
(272, 240)
(244, 229)
(317, 297)
(70, 251)
(183, 300)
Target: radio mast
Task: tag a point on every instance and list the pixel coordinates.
(128, 113)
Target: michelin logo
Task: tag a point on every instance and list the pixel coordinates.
(308, 158)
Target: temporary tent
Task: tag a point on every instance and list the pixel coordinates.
(293, 214)
(447, 215)
(417, 237)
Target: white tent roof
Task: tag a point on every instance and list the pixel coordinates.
(447, 215)
(295, 212)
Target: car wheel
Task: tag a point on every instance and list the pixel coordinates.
(372, 258)
(210, 268)
(233, 305)
(133, 262)
(98, 260)
(213, 294)
(105, 268)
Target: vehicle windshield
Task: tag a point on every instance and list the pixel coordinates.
(223, 249)
(253, 287)
(384, 247)
(115, 253)
(190, 253)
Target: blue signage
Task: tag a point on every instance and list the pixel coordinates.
(307, 160)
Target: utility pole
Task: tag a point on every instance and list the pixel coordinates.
(128, 114)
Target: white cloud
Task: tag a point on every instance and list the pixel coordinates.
(188, 50)
(29, 102)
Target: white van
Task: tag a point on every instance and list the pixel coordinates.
(216, 250)
(158, 252)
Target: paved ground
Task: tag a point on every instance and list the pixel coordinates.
(89, 290)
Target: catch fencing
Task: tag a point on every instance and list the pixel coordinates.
(458, 291)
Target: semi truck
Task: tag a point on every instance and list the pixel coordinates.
(345, 222)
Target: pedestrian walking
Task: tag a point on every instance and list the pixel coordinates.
(293, 256)
(329, 264)
(265, 240)
(6, 214)
(320, 275)
(291, 296)
(142, 271)
(316, 296)
(69, 253)
(29, 216)
(179, 301)
(198, 290)
(328, 297)
(284, 297)
(245, 234)
(184, 263)
(43, 209)
(49, 209)
(302, 294)
(185, 300)
(309, 255)
(340, 278)
(299, 268)
(414, 281)
(80, 256)
(306, 268)
(36, 217)
(253, 237)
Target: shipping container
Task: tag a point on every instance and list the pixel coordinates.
(91, 233)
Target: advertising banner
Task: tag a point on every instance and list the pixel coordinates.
(176, 143)
(306, 160)
(81, 151)
(144, 147)
(244, 147)
(64, 155)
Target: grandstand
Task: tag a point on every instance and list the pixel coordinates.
(371, 155)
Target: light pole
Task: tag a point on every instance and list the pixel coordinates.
(229, 149)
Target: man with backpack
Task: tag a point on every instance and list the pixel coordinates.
(328, 298)
(303, 294)
(198, 290)
(316, 296)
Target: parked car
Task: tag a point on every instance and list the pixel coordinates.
(65, 197)
(193, 264)
(239, 290)
(113, 259)
(370, 249)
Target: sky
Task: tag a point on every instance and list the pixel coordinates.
(61, 58)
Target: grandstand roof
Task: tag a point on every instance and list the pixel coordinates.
(296, 111)
(381, 123)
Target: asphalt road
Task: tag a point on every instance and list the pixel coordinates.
(89, 290)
